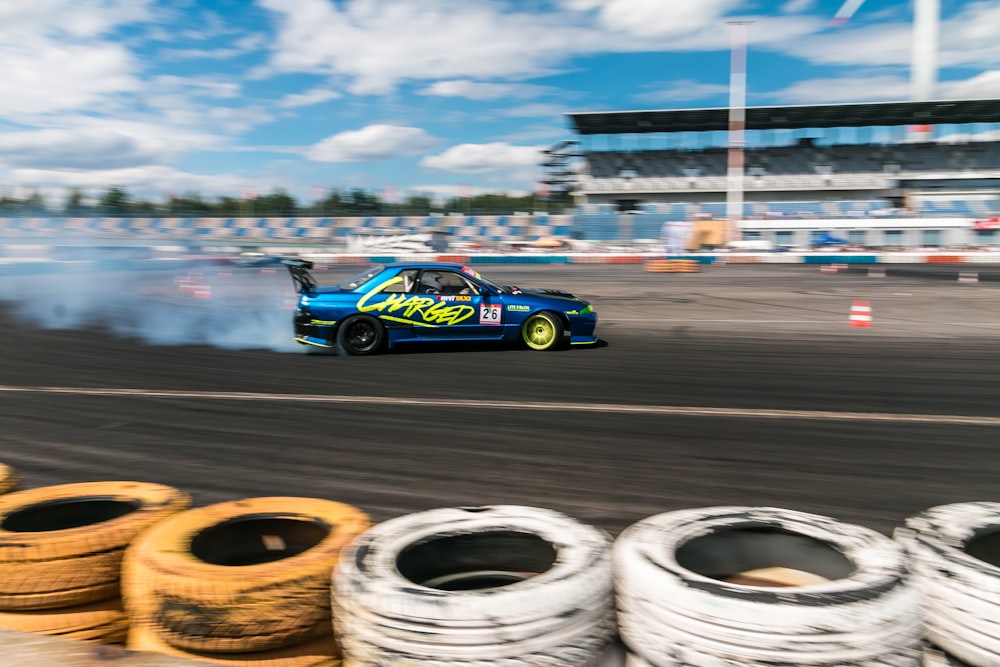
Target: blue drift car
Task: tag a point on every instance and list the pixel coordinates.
(422, 301)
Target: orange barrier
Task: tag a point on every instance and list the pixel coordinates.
(454, 259)
(671, 266)
(625, 259)
(944, 259)
(861, 314)
(742, 259)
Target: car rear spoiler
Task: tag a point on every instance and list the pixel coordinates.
(299, 270)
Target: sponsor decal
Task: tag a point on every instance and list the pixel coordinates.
(419, 310)
(454, 298)
(518, 308)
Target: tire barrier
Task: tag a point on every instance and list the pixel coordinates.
(936, 658)
(954, 552)
(763, 586)
(671, 266)
(497, 585)
(62, 546)
(239, 577)
(323, 652)
(104, 622)
(9, 479)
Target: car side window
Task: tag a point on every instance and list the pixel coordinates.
(455, 283)
(445, 282)
(409, 279)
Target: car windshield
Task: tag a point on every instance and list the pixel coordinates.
(493, 285)
(363, 277)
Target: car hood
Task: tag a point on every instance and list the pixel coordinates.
(556, 294)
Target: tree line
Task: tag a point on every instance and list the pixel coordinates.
(117, 202)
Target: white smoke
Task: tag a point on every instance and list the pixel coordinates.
(222, 306)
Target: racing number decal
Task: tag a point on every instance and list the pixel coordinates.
(490, 313)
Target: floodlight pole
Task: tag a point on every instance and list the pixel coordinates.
(926, 25)
(737, 128)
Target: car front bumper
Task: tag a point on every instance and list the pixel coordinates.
(583, 329)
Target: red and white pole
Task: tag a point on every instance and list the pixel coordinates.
(737, 128)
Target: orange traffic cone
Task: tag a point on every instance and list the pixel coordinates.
(861, 314)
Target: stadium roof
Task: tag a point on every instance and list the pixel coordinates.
(790, 117)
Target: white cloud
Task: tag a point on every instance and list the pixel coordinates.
(476, 90)
(53, 58)
(151, 182)
(74, 149)
(797, 6)
(379, 44)
(868, 46)
(67, 19)
(308, 98)
(682, 90)
(656, 18)
(875, 88)
(61, 77)
(482, 158)
(382, 42)
(100, 144)
(967, 38)
(371, 143)
(534, 110)
(970, 37)
(241, 46)
(982, 86)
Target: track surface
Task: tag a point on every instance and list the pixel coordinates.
(601, 433)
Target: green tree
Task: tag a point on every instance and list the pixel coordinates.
(276, 204)
(114, 202)
(225, 207)
(74, 206)
(188, 204)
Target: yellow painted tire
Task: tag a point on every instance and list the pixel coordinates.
(103, 622)
(322, 652)
(62, 546)
(240, 576)
(8, 479)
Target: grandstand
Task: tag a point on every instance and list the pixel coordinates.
(883, 174)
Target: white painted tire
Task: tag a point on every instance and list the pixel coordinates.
(676, 606)
(501, 585)
(934, 657)
(954, 552)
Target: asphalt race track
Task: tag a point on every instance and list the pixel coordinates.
(737, 385)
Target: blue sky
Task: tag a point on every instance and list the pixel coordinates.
(440, 97)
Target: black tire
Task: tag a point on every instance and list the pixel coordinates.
(361, 334)
(543, 331)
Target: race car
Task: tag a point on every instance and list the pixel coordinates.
(401, 302)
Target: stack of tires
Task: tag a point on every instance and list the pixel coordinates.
(498, 585)
(748, 586)
(954, 551)
(244, 582)
(61, 549)
(8, 479)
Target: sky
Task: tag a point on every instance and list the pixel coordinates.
(441, 98)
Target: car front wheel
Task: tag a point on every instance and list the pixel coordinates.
(542, 331)
(361, 335)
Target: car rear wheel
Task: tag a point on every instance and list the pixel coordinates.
(542, 331)
(361, 334)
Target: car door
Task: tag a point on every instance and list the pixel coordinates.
(460, 308)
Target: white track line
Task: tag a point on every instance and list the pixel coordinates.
(553, 406)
